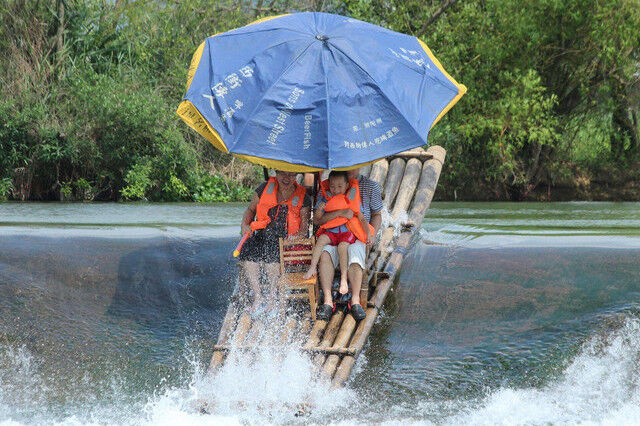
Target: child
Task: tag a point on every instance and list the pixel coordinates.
(342, 230)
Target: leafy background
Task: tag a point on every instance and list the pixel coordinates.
(88, 91)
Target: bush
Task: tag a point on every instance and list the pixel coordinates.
(215, 188)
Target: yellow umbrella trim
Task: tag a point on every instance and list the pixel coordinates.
(462, 89)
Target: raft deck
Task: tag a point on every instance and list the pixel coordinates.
(408, 181)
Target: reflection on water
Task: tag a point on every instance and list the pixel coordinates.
(527, 313)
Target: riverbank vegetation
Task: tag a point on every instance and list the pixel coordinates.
(88, 92)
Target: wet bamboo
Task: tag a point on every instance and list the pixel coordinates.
(329, 335)
(244, 325)
(394, 177)
(357, 342)
(287, 330)
(255, 334)
(316, 333)
(422, 200)
(403, 199)
(428, 183)
(227, 329)
(304, 329)
(331, 351)
(348, 325)
(379, 171)
(240, 333)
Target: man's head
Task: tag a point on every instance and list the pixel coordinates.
(338, 182)
(353, 173)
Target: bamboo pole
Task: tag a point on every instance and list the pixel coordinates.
(428, 183)
(348, 325)
(403, 199)
(244, 325)
(392, 184)
(379, 171)
(316, 333)
(226, 330)
(329, 335)
(287, 331)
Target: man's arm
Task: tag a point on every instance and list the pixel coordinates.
(375, 204)
(376, 221)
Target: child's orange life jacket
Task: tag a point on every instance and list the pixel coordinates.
(351, 200)
(269, 199)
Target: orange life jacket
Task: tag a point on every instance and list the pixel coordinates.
(269, 199)
(351, 200)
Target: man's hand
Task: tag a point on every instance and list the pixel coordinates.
(370, 239)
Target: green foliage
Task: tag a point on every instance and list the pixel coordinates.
(95, 117)
(138, 181)
(215, 188)
(6, 187)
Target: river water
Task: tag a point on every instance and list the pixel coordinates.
(504, 313)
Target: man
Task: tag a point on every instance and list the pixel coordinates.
(371, 207)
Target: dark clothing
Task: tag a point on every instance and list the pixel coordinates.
(263, 245)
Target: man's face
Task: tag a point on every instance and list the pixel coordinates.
(353, 174)
(337, 185)
(285, 178)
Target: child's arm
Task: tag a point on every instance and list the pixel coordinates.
(320, 217)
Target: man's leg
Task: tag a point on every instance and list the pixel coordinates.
(355, 279)
(250, 275)
(357, 259)
(326, 270)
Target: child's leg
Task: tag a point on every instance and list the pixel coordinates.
(322, 241)
(343, 254)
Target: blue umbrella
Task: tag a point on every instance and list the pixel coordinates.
(310, 91)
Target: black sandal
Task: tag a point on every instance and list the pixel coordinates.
(357, 312)
(324, 311)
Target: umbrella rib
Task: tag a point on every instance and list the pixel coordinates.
(263, 30)
(244, 126)
(382, 92)
(326, 91)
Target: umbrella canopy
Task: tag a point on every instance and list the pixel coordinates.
(311, 91)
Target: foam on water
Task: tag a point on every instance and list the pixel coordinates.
(268, 386)
(599, 386)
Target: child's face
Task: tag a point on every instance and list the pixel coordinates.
(337, 185)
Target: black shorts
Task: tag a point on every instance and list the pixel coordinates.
(263, 246)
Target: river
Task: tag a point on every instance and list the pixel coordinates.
(504, 313)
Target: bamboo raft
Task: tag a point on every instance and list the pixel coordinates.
(408, 181)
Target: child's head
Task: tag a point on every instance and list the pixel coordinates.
(338, 182)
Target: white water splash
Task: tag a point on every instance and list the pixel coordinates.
(267, 384)
(600, 386)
